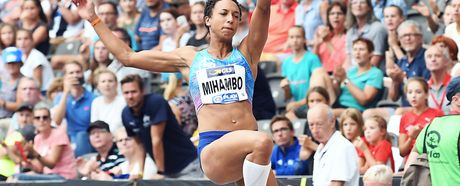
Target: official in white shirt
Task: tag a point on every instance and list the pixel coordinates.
(335, 160)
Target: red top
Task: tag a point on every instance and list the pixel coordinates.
(382, 153)
(412, 119)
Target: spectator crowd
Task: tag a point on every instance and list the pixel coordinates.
(344, 87)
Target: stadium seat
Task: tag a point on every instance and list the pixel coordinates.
(264, 126)
(277, 92)
(396, 157)
(393, 124)
(269, 67)
(69, 48)
(299, 126)
(394, 139)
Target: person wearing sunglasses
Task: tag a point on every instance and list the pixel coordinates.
(50, 156)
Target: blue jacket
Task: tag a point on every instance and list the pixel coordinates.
(288, 162)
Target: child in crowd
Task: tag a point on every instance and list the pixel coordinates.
(351, 124)
(378, 149)
(378, 175)
(420, 115)
(314, 96)
(298, 69)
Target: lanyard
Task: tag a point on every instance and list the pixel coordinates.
(444, 85)
(439, 105)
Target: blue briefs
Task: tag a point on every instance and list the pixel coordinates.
(208, 137)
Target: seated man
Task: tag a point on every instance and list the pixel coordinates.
(108, 156)
(285, 156)
(23, 117)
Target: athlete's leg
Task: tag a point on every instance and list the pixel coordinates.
(222, 160)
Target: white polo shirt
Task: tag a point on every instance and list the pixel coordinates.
(336, 161)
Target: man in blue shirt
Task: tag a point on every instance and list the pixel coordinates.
(412, 64)
(286, 158)
(151, 119)
(148, 28)
(74, 104)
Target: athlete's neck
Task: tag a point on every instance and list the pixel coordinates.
(220, 50)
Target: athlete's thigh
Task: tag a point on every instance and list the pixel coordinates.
(224, 157)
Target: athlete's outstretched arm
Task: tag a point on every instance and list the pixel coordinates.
(149, 60)
(258, 31)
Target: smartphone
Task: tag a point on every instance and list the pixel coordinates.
(182, 20)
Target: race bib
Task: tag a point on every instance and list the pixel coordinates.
(221, 85)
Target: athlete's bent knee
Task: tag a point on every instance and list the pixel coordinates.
(263, 144)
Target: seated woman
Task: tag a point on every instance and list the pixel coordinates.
(360, 86)
(138, 164)
(36, 65)
(109, 105)
(33, 19)
(52, 155)
(329, 42)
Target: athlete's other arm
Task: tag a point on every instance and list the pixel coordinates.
(253, 44)
(157, 131)
(149, 60)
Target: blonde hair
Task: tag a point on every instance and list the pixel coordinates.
(381, 123)
(380, 174)
(57, 85)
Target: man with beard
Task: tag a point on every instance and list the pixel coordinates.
(148, 29)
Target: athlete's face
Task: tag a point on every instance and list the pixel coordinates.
(224, 20)
(133, 94)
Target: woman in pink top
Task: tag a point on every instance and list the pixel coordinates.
(52, 156)
(329, 42)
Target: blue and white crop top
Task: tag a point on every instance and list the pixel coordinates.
(215, 81)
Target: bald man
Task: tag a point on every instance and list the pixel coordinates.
(335, 160)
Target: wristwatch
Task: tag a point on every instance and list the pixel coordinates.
(345, 82)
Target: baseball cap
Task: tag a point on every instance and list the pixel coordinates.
(25, 106)
(98, 125)
(12, 55)
(453, 88)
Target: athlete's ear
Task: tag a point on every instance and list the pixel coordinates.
(207, 21)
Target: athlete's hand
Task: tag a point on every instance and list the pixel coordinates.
(85, 9)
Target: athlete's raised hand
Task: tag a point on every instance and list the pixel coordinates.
(85, 9)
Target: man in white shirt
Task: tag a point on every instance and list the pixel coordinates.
(335, 160)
